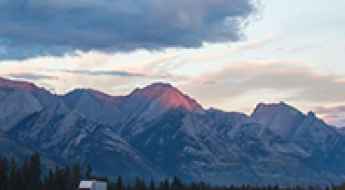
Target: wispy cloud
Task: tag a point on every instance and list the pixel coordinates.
(31, 76)
(297, 82)
(334, 115)
(105, 72)
(327, 110)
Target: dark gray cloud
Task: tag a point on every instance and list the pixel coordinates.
(31, 76)
(39, 27)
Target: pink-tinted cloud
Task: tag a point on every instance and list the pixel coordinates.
(299, 83)
(334, 115)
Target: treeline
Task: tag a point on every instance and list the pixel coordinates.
(177, 184)
(29, 175)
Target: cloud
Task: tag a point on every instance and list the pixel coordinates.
(109, 73)
(40, 27)
(97, 70)
(148, 75)
(334, 115)
(327, 110)
(296, 82)
(31, 76)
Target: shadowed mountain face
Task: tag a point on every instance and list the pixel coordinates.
(159, 132)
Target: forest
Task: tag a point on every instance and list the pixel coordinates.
(29, 175)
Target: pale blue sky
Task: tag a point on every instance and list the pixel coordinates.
(309, 30)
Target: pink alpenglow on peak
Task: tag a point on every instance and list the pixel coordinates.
(168, 96)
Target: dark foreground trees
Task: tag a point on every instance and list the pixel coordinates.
(29, 175)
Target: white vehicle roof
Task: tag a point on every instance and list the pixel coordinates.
(86, 184)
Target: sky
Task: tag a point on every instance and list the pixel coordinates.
(227, 54)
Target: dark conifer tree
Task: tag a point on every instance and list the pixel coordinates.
(166, 185)
(152, 185)
(14, 181)
(176, 184)
(49, 181)
(119, 184)
(88, 172)
(3, 173)
(139, 184)
(75, 176)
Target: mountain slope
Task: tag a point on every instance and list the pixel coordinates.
(158, 131)
(94, 105)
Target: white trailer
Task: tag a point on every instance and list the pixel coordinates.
(92, 185)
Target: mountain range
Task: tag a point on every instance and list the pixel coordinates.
(158, 132)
